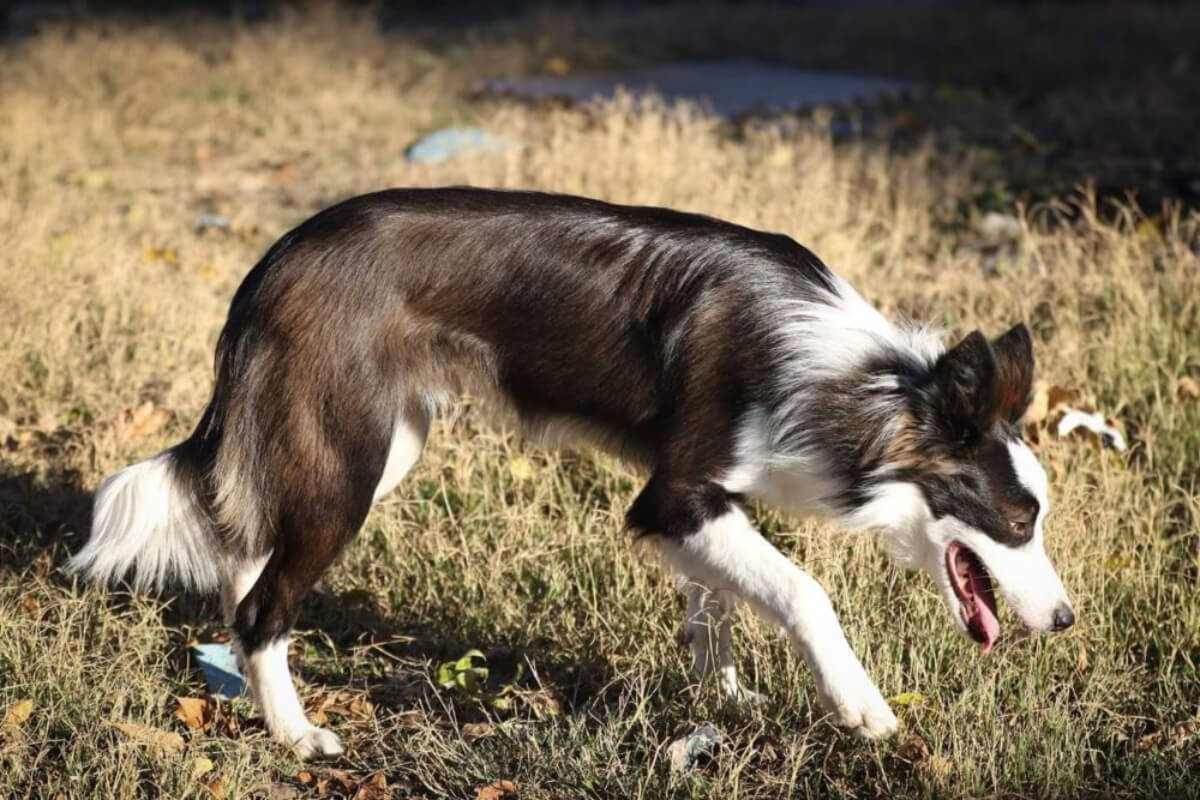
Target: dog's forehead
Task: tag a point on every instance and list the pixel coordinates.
(1029, 471)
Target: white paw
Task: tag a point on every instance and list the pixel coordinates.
(317, 743)
(856, 704)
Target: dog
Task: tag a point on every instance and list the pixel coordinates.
(729, 363)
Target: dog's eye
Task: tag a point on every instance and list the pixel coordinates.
(1019, 527)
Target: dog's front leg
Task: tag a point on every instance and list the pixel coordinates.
(708, 628)
(726, 552)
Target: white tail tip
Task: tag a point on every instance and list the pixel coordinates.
(147, 521)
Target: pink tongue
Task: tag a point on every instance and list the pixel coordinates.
(983, 622)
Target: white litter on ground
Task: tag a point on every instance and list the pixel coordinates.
(1094, 422)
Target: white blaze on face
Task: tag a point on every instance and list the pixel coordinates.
(1024, 575)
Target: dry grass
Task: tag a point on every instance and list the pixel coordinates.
(113, 144)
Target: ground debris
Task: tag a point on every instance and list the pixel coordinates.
(689, 750)
(164, 743)
(496, 790)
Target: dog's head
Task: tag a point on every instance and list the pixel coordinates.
(982, 492)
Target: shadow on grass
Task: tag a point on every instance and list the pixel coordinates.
(44, 515)
(416, 645)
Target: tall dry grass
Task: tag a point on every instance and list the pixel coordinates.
(114, 143)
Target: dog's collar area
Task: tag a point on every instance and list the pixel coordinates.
(973, 587)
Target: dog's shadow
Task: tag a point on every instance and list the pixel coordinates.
(412, 648)
(44, 515)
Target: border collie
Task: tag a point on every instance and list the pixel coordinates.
(728, 362)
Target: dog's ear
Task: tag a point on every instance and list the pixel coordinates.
(1014, 372)
(963, 387)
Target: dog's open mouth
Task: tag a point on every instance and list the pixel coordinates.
(973, 587)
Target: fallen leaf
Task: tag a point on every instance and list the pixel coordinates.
(521, 468)
(473, 731)
(496, 790)
(137, 423)
(908, 699)
(543, 703)
(345, 704)
(201, 765)
(373, 788)
(1188, 388)
(1059, 396)
(336, 779)
(1048, 400)
(30, 604)
(193, 712)
(216, 788)
(914, 749)
(167, 255)
(361, 707)
(163, 742)
(1039, 405)
(410, 720)
(17, 714)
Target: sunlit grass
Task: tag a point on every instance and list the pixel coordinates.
(114, 144)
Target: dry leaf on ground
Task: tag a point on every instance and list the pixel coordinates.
(17, 715)
(137, 423)
(1048, 401)
(472, 731)
(1188, 389)
(373, 788)
(1175, 737)
(914, 749)
(216, 787)
(496, 790)
(195, 712)
(163, 742)
(30, 604)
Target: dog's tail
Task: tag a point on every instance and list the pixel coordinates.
(148, 519)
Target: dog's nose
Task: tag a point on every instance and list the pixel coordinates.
(1064, 618)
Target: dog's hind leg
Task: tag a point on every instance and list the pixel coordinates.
(326, 496)
(238, 577)
(265, 616)
(708, 628)
(408, 439)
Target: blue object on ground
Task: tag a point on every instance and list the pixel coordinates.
(218, 663)
(212, 221)
(438, 146)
